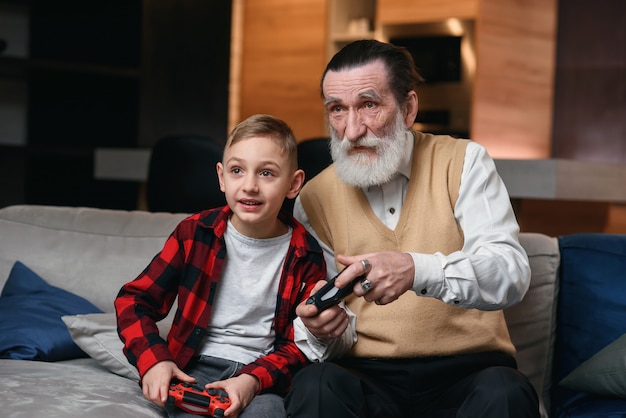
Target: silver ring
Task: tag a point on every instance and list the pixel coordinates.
(366, 285)
(366, 266)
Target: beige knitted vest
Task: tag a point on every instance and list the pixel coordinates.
(411, 326)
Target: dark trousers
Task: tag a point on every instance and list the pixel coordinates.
(484, 385)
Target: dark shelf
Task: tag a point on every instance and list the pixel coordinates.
(102, 33)
(82, 109)
(84, 68)
(83, 92)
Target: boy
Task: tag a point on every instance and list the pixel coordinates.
(239, 272)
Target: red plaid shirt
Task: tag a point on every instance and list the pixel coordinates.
(190, 266)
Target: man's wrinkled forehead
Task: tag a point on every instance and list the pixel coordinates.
(363, 80)
(352, 66)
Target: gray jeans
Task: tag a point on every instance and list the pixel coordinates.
(210, 369)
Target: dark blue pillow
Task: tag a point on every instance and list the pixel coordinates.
(30, 318)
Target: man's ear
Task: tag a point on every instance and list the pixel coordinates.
(220, 175)
(410, 108)
(297, 181)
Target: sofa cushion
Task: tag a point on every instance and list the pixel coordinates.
(30, 310)
(591, 305)
(74, 388)
(602, 374)
(89, 252)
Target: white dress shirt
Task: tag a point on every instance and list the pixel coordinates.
(490, 272)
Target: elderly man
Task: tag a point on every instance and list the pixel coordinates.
(429, 223)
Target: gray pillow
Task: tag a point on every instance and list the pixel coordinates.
(96, 335)
(603, 374)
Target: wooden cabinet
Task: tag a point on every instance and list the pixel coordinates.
(349, 20)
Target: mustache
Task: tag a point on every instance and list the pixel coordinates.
(368, 140)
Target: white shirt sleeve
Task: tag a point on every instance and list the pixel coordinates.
(318, 350)
(491, 271)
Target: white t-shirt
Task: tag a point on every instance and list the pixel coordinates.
(240, 328)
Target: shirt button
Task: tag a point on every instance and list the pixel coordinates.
(423, 291)
(392, 210)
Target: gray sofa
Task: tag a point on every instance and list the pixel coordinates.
(91, 252)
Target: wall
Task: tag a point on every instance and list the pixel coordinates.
(283, 56)
(589, 112)
(590, 87)
(185, 69)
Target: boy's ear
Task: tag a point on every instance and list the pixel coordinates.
(297, 181)
(220, 175)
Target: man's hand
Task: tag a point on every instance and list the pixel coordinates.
(391, 274)
(156, 381)
(328, 324)
(241, 390)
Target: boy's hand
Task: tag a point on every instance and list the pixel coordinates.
(327, 324)
(156, 381)
(241, 390)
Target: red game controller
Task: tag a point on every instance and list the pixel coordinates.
(198, 401)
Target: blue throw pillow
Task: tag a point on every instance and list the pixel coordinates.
(30, 318)
(591, 307)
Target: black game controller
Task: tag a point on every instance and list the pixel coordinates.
(329, 295)
(198, 401)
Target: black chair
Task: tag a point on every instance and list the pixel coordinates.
(314, 156)
(182, 177)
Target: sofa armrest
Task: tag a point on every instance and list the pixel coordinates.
(532, 322)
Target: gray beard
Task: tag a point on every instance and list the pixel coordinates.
(360, 170)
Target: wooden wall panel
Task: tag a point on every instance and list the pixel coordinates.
(616, 222)
(513, 88)
(282, 59)
(419, 11)
(561, 217)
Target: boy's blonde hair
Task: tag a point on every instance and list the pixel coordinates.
(267, 126)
